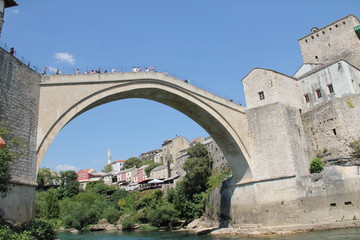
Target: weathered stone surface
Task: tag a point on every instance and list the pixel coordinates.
(19, 102)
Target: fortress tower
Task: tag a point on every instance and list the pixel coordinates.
(338, 40)
(5, 4)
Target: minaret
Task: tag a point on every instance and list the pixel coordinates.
(5, 4)
(109, 156)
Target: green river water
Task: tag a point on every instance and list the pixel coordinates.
(340, 234)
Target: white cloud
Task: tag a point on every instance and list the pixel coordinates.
(65, 57)
(66, 167)
(52, 70)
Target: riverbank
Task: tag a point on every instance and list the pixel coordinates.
(259, 231)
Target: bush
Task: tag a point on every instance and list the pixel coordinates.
(148, 228)
(316, 165)
(82, 210)
(7, 233)
(164, 215)
(111, 214)
(128, 223)
(356, 146)
(39, 229)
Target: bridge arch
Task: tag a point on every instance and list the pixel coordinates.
(223, 120)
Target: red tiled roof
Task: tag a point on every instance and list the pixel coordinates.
(118, 161)
(196, 139)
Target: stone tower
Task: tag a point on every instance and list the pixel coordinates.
(5, 4)
(338, 40)
(109, 156)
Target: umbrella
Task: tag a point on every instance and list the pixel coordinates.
(156, 181)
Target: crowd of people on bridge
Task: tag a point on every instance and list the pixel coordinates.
(112, 70)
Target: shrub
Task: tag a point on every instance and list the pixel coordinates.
(164, 215)
(316, 165)
(356, 146)
(148, 228)
(7, 233)
(128, 223)
(111, 214)
(39, 229)
(51, 207)
(84, 209)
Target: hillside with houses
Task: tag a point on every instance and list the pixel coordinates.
(158, 168)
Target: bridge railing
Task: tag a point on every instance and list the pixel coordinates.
(18, 56)
(111, 69)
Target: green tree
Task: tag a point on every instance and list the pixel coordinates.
(83, 209)
(5, 171)
(100, 188)
(46, 177)
(131, 162)
(151, 167)
(7, 233)
(116, 196)
(51, 206)
(7, 156)
(198, 170)
(190, 193)
(40, 230)
(163, 215)
(107, 168)
(69, 184)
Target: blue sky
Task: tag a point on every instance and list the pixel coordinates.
(212, 43)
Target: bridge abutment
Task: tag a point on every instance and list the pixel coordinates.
(19, 101)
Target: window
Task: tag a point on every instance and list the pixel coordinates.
(318, 93)
(261, 95)
(307, 98)
(334, 131)
(331, 89)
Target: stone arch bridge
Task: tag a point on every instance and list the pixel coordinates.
(64, 97)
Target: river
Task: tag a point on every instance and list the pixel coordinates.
(339, 234)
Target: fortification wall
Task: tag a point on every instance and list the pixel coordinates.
(332, 126)
(287, 195)
(19, 101)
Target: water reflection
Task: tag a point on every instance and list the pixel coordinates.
(341, 234)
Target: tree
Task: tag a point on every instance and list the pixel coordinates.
(46, 177)
(190, 193)
(163, 215)
(5, 171)
(99, 188)
(7, 156)
(107, 168)
(151, 167)
(131, 162)
(198, 170)
(69, 184)
(51, 208)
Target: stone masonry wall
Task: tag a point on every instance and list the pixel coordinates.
(277, 142)
(333, 42)
(332, 126)
(19, 101)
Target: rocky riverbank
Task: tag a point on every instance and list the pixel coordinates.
(201, 227)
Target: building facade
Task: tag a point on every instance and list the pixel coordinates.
(171, 148)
